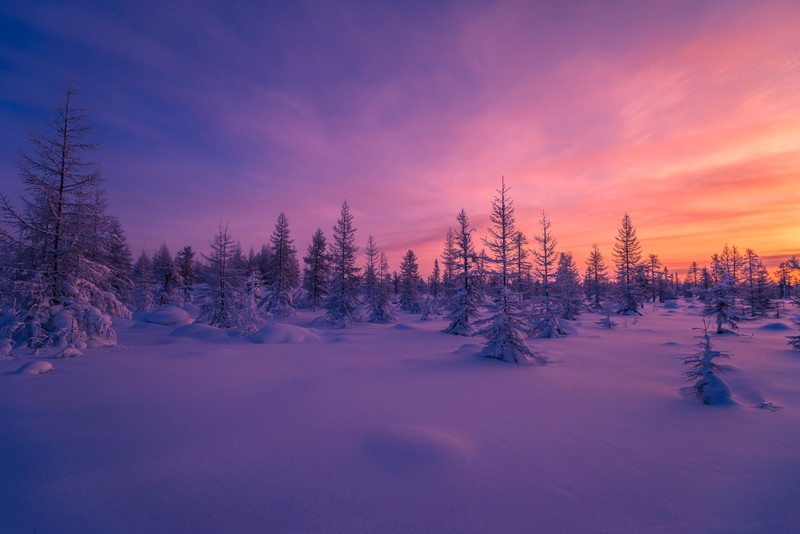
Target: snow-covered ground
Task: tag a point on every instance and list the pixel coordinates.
(400, 428)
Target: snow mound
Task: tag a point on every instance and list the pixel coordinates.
(167, 315)
(469, 348)
(403, 326)
(202, 332)
(37, 367)
(778, 327)
(671, 305)
(414, 448)
(283, 333)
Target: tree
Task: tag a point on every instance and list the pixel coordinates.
(219, 306)
(185, 265)
(463, 299)
(704, 372)
(595, 279)
(61, 281)
(167, 277)
(720, 303)
(567, 287)
(376, 285)
(315, 273)
(627, 255)
(449, 259)
(409, 283)
(342, 301)
(504, 329)
(283, 271)
(654, 274)
(522, 267)
(547, 310)
(435, 287)
(756, 280)
(143, 284)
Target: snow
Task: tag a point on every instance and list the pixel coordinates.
(384, 429)
(276, 332)
(35, 367)
(166, 315)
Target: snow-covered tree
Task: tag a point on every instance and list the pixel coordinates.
(435, 288)
(185, 264)
(756, 283)
(504, 329)
(317, 269)
(521, 267)
(117, 256)
(246, 316)
(220, 302)
(377, 285)
(720, 303)
(144, 285)
(449, 259)
(283, 272)
(409, 283)
(595, 279)
(627, 258)
(654, 276)
(567, 286)
(165, 272)
(704, 372)
(546, 308)
(62, 284)
(342, 302)
(464, 297)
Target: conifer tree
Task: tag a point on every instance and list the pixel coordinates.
(704, 372)
(756, 282)
(522, 267)
(720, 303)
(449, 259)
(627, 258)
(595, 280)
(62, 284)
(654, 276)
(376, 285)
(118, 258)
(567, 287)
(435, 287)
(317, 269)
(143, 284)
(504, 329)
(167, 277)
(547, 309)
(283, 272)
(220, 303)
(342, 302)
(409, 283)
(185, 265)
(463, 299)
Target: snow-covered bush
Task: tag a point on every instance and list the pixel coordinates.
(704, 372)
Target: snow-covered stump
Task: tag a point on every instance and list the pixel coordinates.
(704, 372)
(37, 367)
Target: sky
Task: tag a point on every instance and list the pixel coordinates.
(686, 115)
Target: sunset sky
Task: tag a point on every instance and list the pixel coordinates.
(684, 114)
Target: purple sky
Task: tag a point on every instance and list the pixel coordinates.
(684, 114)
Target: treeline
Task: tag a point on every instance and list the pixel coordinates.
(68, 270)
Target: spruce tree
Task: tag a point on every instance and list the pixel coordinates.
(283, 272)
(595, 279)
(167, 277)
(504, 329)
(185, 265)
(220, 302)
(317, 269)
(342, 302)
(144, 285)
(376, 285)
(567, 287)
(547, 309)
(627, 257)
(409, 283)
(463, 298)
(704, 371)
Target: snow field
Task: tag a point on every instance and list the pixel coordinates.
(400, 428)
